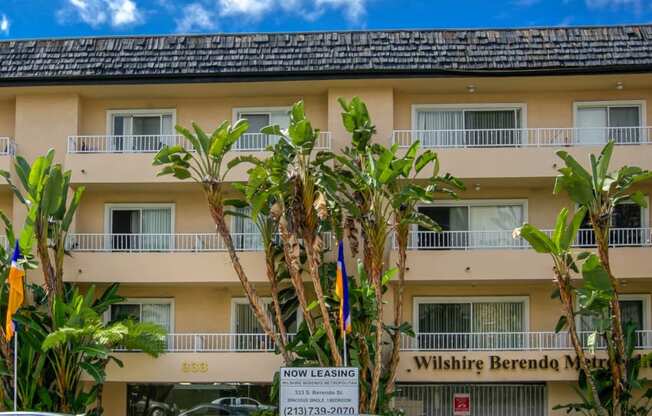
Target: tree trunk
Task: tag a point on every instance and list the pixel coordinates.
(314, 260)
(568, 305)
(376, 268)
(292, 253)
(280, 325)
(398, 312)
(365, 364)
(619, 364)
(217, 214)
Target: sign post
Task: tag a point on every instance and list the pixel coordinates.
(461, 404)
(307, 391)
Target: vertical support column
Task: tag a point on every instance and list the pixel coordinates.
(43, 122)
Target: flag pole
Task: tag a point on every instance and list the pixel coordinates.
(345, 348)
(15, 370)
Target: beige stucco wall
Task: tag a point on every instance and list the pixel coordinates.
(207, 112)
(544, 109)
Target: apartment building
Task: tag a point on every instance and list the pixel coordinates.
(495, 105)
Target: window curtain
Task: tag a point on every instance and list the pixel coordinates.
(491, 125)
(491, 223)
(591, 122)
(434, 128)
(158, 313)
(121, 125)
(167, 130)
(246, 235)
(254, 139)
(157, 223)
(628, 119)
(498, 317)
(444, 317)
(632, 311)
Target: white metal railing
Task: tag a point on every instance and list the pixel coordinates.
(258, 142)
(505, 239)
(533, 137)
(224, 342)
(506, 341)
(154, 142)
(7, 146)
(183, 242)
(146, 143)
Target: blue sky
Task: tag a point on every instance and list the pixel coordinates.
(57, 18)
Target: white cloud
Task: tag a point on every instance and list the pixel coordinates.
(195, 17)
(250, 8)
(98, 12)
(5, 24)
(354, 10)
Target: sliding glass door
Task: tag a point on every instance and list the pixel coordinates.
(468, 127)
(472, 324)
(141, 228)
(471, 225)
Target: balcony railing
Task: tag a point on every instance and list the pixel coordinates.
(7, 146)
(504, 239)
(154, 143)
(186, 242)
(506, 341)
(225, 342)
(530, 137)
(258, 142)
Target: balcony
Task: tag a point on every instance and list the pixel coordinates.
(93, 159)
(497, 255)
(218, 342)
(506, 341)
(163, 258)
(526, 153)
(7, 151)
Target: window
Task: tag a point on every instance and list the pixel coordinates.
(244, 322)
(145, 227)
(599, 122)
(480, 126)
(246, 235)
(634, 308)
(259, 118)
(156, 311)
(628, 227)
(477, 224)
(446, 323)
(141, 130)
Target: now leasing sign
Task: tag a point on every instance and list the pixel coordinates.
(319, 391)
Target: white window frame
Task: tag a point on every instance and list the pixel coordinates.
(108, 209)
(470, 107)
(644, 297)
(267, 301)
(110, 114)
(477, 203)
(145, 301)
(641, 104)
(420, 300)
(259, 110)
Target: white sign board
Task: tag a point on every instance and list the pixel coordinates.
(319, 391)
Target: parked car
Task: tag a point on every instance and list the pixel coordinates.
(246, 403)
(211, 409)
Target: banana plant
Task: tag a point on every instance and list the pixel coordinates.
(592, 298)
(203, 161)
(599, 191)
(83, 343)
(293, 174)
(377, 192)
(50, 213)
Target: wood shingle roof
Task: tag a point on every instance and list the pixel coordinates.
(320, 54)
